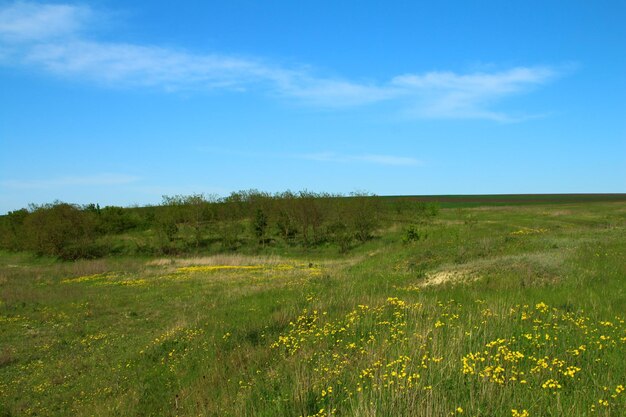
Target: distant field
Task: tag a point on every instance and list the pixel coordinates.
(516, 308)
(515, 199)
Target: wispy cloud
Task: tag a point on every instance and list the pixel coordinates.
(72, 181)
(367, 158)
(54, 38)
(376, 159)
(22, 21)
(469, 95)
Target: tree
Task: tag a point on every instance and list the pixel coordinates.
(14, 237)
(196, 215)
(339, 233)
(113, 220)
(167, 218)
(59, 229)
(364, 214)
(286, 227)
(260, 226)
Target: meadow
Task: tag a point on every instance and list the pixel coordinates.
(496, 309)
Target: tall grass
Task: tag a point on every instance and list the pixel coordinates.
(506, 311)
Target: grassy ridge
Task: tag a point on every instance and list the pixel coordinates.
(244, 221)
(493, 311)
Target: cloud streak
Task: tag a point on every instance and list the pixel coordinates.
(376, 159)
(21, 22)
(54, 39)
(71, 181)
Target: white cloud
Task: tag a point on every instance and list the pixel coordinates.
(52, 38)
(72, 181)
(23, 21)
(367, 158)
(335, 93)
(320, 156)
(469, 96)
(129, 65)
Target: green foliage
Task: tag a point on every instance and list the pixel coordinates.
(426, 211)
(243, 221)
(12, 228)
(231, 234)
(285, 226)
(115, 220)
(421, 211)
(364, 214)
(260, 225)
(412, 234)
(167, 221)
(59, 229)
(339, 233)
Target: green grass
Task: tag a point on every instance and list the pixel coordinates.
(384, 330)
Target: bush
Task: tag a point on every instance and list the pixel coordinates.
(74, 252)
(339, 233)
(53, 229)
(412, 234)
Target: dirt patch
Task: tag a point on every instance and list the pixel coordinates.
(534, 268)
(557, 213)
(239, 260)
(217, 260)
(450, 276)
(6, 357)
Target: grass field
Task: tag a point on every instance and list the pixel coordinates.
(495, 310)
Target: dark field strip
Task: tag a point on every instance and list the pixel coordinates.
(452, 201)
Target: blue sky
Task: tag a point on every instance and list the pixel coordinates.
(120, 102)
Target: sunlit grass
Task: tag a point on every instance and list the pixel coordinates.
(524, 324)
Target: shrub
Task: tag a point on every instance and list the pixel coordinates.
(339, 233)
(412, 234)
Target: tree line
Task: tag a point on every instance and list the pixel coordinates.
(200, 223)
